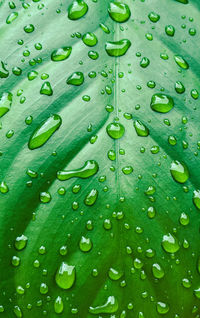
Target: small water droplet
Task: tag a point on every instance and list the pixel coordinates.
(180, 61)
(91, 197)
(58, 305)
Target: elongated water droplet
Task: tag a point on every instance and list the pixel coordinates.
(77, 78)
(117, 48)
(12, 17)
(115, 130)
(21, 242)
(58, 305)
(180, 61)
(170, 243)
(44, 131)
(196, 198)
(157, 271)
(77, 9)
(5, 103)
(111, 306)
(17, 311)
(119, 12)
(91, 197)
(61, 54)
(85, 244)
(89, 169)
(179, 171)
(197, 292)
(162, 103)
(65, 276)
(90, 39)
(46, 89)
(183, 1)
(141, 129)
(3, 71)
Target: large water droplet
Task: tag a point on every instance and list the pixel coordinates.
(117, 48)
(46, 89)
(179, 171)
(170, 243)
(115, 130)
(162, 308)
(154, 17)
(111, 306)
(196, 198)
(44, 131)
(13, 16)
(77, 78)
(89, 39)
(5, 103)
(162, 103)
(91, 197)
(89, 169)
(61, 54)
(180, 61)
(157, 271)
(119, 12)
(65, 276)
(77, 9)
(141, 129)
(114, 274)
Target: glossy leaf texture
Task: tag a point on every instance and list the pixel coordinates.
(99, 165)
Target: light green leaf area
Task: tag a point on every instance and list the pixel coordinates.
(99, 166)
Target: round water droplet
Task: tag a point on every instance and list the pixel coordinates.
(154, 17)
(29, 28)
(170, 30)
(21, 242)
(170, 243)
(44, 131)
(162, 308)
(179, 171)
(77, 9)
(119, 12)
(115, 130)
(117, 48)
(90, 39)
(85, 244)
(65, 276)
(114, 274)
(162, 103)
(45, 197)
(61, 54)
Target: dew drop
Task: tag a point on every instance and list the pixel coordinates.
(141, 129)
(170, 243)
(65, 276)
(162, 308)
(90, 39)
(117, 48)
(21, 242)
(154, 17)
(114, 274)
(91, 197)
(45, 197)
(157, 271)
(115, 130)
(85, 244)
(119, 12)
(44, 131)
(162, 103)
(77, 9)
(77, 79)
(12, 17)
(46, 89)
(180, 61)
(58, 305)
(196, 198)
(179, 171)
(89, 169)
(111, 306)
(61, 54)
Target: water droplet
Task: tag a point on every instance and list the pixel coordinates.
(117, 48)
(46, 89)
(144, 62)
(3, 71)
(89, 169)
(127, 170)
(61, 54)
(45, 197)
(90, 39)
(141, 129)
(162, 103)
(17, 311)
(21, 242)
(119, 12)
(77, 78)
(44, 131)
(170, 30)
(32, 75)
(151, 212)
(93, 55)
(29, 28)
(115, 130)
(65, 276)
(77, 9)
(196, 198)
(91, 197)
(111, 306)
(114, 274)
(180, 61)
(170, 243)
(157, 271)
(58, 305)
(5, 103)
(184, 219)
(43, 288)
(179, 171)
(154, 17)
(12, 17)
(85, 244)
(179, 87)
(162, 308)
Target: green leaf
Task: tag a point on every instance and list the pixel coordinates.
(99, 150)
